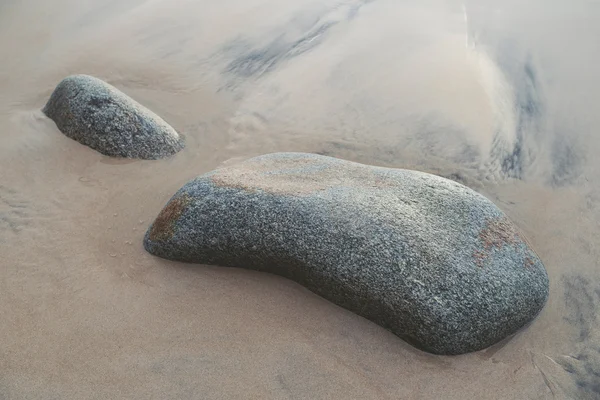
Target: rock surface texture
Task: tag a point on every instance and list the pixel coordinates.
(429, 259)
(98, 115)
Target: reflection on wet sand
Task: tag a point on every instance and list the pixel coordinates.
(499, 96)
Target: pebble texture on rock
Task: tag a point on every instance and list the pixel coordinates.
(425, 257)
(98, 115)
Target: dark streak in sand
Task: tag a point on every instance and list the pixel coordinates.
(582, 298)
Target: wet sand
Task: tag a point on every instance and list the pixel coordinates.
(499, 96)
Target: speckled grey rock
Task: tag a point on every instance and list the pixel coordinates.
(425, 257)
(98, 115)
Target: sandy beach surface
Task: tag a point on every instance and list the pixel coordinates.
(499, 95)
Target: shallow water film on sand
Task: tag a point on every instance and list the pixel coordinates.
(500, 96)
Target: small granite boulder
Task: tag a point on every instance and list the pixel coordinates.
(98, 115)
(427, 258)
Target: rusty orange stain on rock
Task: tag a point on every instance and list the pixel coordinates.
(497, 233)
(529, 262)
(479, 257)
(164, 226)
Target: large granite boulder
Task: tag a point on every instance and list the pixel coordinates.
(98, 115)
(425, 257)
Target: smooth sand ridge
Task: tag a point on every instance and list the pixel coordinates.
(87, 313)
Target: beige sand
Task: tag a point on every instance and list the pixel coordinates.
(87, 314)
